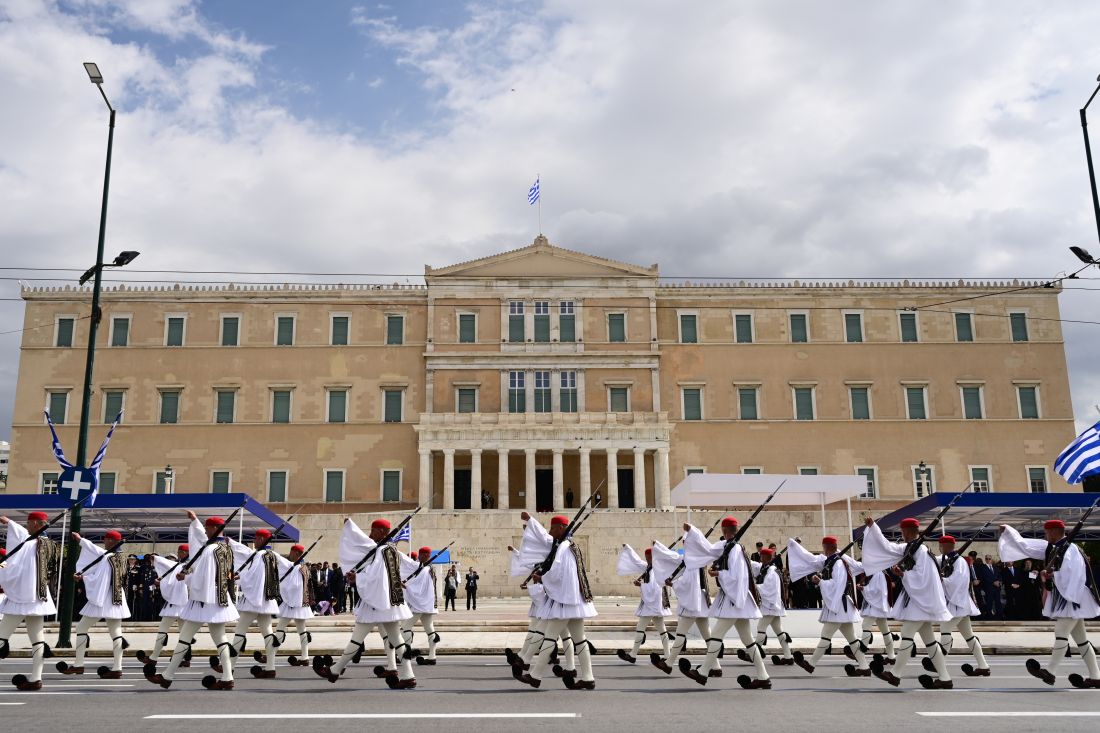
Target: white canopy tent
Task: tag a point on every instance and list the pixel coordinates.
(738, 489)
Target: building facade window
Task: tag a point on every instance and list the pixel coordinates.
(972, 402)
(337, 406)
(853, 327)
(1028, 399)
(231, 331)
(108, 482)
(169, 406)
(395, 329)
(221, 482)
(114, 401)
(63, 331)
(979, 476)
(747, 403)
(567, 394)
(860, 399)
(57, 403)
(542, 391)
(467, 328)
(800, 329)
(393, 405)
(466, 399)
(174, 327)
(517, 392)
(752, 470)
(284, 330)
(689, 333)
(807, 470)
(226, 405)
(803, 403)
(280, 405)
(340, 330)
(542, 321)
(47, 482)
(120, 331)
(870, 474)
(618, 399)
(1018, 323)
(160, 482)
(743, 328)
(567, 322)
(924, 480)
(1037, 479)
(964, 327)
(616, 327)
(692, 403)
(516, 316)
(692, 470)
(910, 334)
(916, 403)
(334, 485)
(276, 486)
(391, 485)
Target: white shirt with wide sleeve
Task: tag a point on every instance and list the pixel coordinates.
(691, 598)
(770, 590)
(956, 588)
(1073, 598)
(922, 596)
(97, 584)
(420, 592)
(734, 599)
(202, 606)
(563, 587)
(174, 592)
(251, 582)
(652, 590)
(534, 590)
(837, 603)
(876, 596)
(19, 578)
(292, 589)
(372, 581)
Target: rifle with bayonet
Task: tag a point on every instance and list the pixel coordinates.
(906, 562)
(430, 561)
(545, 565)
(263, 547)
(112, 551)
(299, 560)
(388, 538)
(969, 542)
(680, 568)
(1059, 553)
(723, 561)
(210, 541)
(40, 531)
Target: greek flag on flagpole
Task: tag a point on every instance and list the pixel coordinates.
(533, 193)
(64, 462)
(58, 452)
(405, 535)
(1081, 458)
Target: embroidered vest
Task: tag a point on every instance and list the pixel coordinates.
(118, 574)
(582, 574)
(271, 578)
(47, 555)
(223, 574)
(704, 585)
(393, 574)
(435, 598)
(307, 587)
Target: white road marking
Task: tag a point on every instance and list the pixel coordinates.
(1014, 714)
(13, 703)
(358, 716)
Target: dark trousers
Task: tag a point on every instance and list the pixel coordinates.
(448, 601)
(471, 597)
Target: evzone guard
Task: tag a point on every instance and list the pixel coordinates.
(422, 596)
(209, 580)
(539, 542)
(735, 605)
(692, 604)
(920, 605)
(1071, 596)
(25, 577)
(381, 602)
(653, 607)
(834, 574)
(876, 611)
(257, 570)
(297, 603)
(770, 586)
(958, 591)
(174, 593)
(104, 573)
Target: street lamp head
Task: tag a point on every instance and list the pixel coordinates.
(93, 72)
(1083, 255)
(125, 258)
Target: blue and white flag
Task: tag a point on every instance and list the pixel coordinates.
(67, 465)
(533, 192)
(58, 452)
(1081, 458)
(405, 535)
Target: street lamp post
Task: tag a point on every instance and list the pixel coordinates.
(1088, 157)
(65, 612)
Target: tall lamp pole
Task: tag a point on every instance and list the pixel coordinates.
(1088, 157)
(65, 612)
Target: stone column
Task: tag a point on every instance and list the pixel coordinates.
(449, 479)
(529, 480)
(664, 488)
(475, 478)
(639, 478)
(612, 478)
(586, 474)
(424, 497)
(502, 478)
(559, 480)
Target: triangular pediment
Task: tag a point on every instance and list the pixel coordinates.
(541, 259)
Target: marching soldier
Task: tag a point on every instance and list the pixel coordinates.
(770, 585)
(25, 577)
(735, 605)
(210, 593)
(692, 604)
(654, 605)
(834, 574)
(876, 614)
(258, 571)
(920, 605)
(1070, 599)
(420, 590)
(297, 605)
(174, 593)
(959, 593)
(537, 543)
(104, 576)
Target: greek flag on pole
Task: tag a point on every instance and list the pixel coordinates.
(533, 193)
(1081, 458)
(404, 535)
(59, 454)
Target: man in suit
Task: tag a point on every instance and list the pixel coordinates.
(338, 588)
(990, 584)
(1010, 581)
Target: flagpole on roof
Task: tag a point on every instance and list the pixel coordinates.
(538, 179)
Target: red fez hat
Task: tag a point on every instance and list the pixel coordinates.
(298, 548)
(263, 534)
(560, 519)
(909, 523)
(412, 554)
(183, 548)
(215, 522)
(3, 552)
(425, 550)
(1054, 524)
(380, 524)
(40, 516)
(947, 540)
(829, 540)
(729, 522)
(767, 552)
(113, 534)
(648, 551)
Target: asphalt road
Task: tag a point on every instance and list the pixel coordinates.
(477, 693)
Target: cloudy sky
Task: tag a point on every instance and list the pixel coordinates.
(803, 139)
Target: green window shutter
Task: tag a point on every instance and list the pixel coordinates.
(1037, 479)
(542, 329)
(58, 402)
(751, 471)
(616, 327)
(861, 405)
(743, 328)
(688, 334)
(393, 405)
(120, 331)
(219, 482)
(567, 329)
(334, 486)
(226, 398)
(112, 405)
(395, 330)
(515, 329)
(619, 399)
(914, 400)
(161, 483)
(980, 477)
(337, 405)
(467, 399)
(169, 407)
(964, 327)
(391, 486)
(799, 332)
(693, 404)
(517, 401)
(693, 471)
(1029, 403)
(339, 330)
(853, 328)
(807, 472)
(276, 486)
(1019, 326)
(107, 481)
(231, 326)
(467, 328)
(908, 327)
(285, 334)
(972, 403)
(869, 474)
(280, 406)
(804, 403)
(746, 398)
(175, 332)
(64, 332)
(568, 400)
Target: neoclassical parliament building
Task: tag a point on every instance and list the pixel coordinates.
(531, 378)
